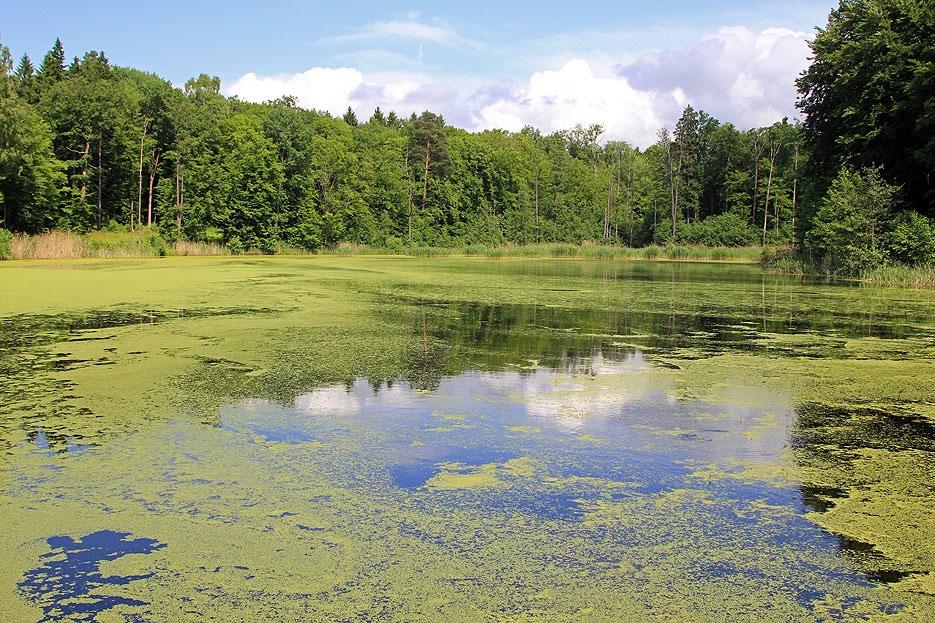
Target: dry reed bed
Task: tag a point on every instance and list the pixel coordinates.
(63, 245)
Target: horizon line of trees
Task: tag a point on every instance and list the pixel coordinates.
(88, 145)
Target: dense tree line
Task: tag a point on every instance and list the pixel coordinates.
(100, 144)
(87, 145)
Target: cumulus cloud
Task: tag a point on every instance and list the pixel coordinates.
(735, 74)
(321, 88)
(559, 99)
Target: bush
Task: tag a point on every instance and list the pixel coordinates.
(723, 230)
(235, 246)
(846, 231)
(6, 244)
(911, 239)
(393, 244)
(214, 235)
(156, 242)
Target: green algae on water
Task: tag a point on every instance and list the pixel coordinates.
(422, 440)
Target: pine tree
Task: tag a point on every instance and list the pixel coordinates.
(52, 69)
(378, 117)
(350, 117)
(26, 82)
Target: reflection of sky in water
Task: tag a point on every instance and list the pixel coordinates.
(618, 419)
(70, 586)
(614, 432)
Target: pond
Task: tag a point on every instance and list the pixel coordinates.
(363, 439)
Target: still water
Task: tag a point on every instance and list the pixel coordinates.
(385, 439)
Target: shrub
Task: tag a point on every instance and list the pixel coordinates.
(393, 244)
(910, 240)
(723, 230)
(846, 230)
(156, 242)
(235, 245)
(6, 244)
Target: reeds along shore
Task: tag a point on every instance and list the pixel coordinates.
(61, 245)
(584, 250)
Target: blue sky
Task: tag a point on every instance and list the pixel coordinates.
(627, 64)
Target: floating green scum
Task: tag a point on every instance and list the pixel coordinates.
(359, 439)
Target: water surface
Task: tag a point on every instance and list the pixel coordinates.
(390, 439)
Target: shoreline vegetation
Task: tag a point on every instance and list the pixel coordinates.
(142, 244)
(95, 147)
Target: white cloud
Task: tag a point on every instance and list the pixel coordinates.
(559, 99)
(331, 400)
(735, 74)
(321, 88)
(410, 28)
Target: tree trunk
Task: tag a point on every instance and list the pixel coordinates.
(537, 206)
(757, 152)
(774, 149)
(152, 179)
(776, 215)
(675, 190)
(610, 182)
(673, 197)
(178, 200)
(795, 188)
(84, 170)
(409, 196)
(139, 188)
(100, 182)
(425, 175)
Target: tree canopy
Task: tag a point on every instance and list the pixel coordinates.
(869, 94)
(92, 145)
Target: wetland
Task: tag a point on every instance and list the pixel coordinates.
(386, 438)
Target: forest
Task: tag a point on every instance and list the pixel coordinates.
(88, 146)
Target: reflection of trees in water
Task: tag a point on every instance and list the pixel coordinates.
(827, 440)
(821, 428)
(425, 360)
(491, 336)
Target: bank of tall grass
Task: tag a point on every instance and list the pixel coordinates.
(919, 277)
(562, 250)
(62, 245)
(891, 275)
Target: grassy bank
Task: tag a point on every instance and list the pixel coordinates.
(60, 245)
(893, 276)
(562, 250)
(920, 277)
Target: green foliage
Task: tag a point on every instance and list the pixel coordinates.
(867, 95)
(910, 240)
(6, 240)
(30, 175)
(235, 245)
(847, 230)
(91, 144)
(722, 230)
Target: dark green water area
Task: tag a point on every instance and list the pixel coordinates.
(392, 439)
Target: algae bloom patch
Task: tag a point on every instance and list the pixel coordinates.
(388, 439)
